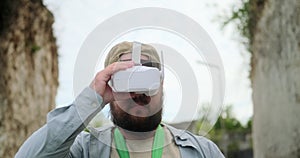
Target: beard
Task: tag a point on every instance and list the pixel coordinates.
(135, 123)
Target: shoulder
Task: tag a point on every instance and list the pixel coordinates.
(187, 139)
(94, 142)
(94, 133)
(98, 136)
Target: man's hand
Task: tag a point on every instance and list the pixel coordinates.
(100, 82)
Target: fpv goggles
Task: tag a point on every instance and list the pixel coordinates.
(144, 78)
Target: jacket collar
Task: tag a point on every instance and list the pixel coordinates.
(181, 137)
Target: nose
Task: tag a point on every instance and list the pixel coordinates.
(119, 96)
(135, 94)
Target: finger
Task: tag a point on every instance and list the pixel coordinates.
(105, 75)
(117, 66)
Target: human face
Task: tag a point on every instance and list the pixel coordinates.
(137, 112)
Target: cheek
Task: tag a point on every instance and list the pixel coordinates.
(114, 107)
(121, 96)
(116, 111)
(156, 102)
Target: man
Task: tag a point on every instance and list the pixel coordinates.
(137, 130)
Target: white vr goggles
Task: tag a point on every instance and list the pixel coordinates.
(141, 78)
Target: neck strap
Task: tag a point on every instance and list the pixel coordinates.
(157, 147)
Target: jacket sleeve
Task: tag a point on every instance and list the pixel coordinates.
(63, 125)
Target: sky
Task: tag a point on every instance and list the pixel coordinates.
(75, 19)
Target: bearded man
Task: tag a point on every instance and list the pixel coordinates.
(137, 130)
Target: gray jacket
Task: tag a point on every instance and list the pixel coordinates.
(63, 136)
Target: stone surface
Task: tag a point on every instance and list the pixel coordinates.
(29, 71)
(275, 77)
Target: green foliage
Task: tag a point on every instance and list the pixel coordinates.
(245, 17)
(241, 17)
(228, 133)
(233, 146)
(35, 48)
(249, 124)
(86, 130)
(96, 122)
(229, 124)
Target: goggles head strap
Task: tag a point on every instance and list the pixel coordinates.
(136, 53)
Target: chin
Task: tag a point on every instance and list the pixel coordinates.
(135, 123)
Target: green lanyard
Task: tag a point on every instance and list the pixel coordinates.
(157, 148)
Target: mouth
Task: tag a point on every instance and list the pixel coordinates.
(141, 99)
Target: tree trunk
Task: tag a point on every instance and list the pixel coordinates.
(28, 71)
(275, 78)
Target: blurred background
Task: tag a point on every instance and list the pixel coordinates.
(258, 41)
